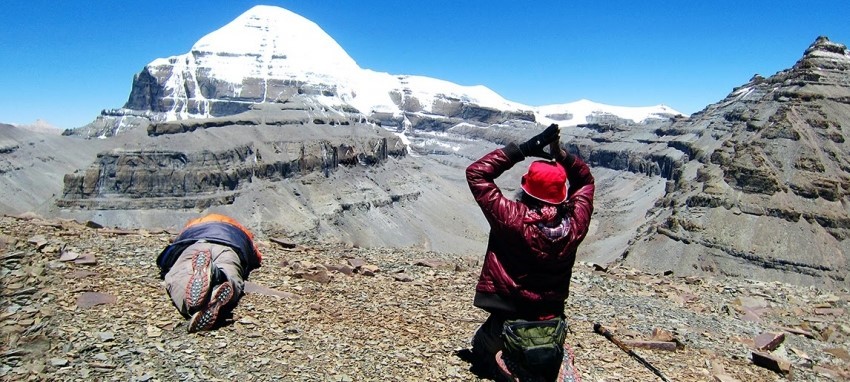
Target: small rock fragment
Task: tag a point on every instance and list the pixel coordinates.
(90, 299)
(58, 362)
(768, 341)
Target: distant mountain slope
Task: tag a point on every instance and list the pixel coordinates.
(33, 164)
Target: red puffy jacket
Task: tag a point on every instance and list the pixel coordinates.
(523, 267)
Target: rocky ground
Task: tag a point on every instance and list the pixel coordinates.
(85, 303)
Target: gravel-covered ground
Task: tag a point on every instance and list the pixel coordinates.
(316, 312)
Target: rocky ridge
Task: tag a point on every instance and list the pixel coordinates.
(764, 181)
(84, 302)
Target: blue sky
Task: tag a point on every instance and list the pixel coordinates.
(64, 61)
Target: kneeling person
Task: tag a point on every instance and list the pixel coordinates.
(205, 267)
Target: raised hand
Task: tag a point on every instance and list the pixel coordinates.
(534, 146)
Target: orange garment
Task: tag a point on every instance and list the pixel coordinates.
(229, 220)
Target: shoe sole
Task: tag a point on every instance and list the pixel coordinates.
(198, 287)
(206, 318)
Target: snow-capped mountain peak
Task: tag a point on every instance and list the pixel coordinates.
(269, 54)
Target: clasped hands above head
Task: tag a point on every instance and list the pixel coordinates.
(535, 147)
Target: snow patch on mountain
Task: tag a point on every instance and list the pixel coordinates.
(579, 112)
(269, 42)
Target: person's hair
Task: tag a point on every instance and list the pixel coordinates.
(529, 200)
(535, 204)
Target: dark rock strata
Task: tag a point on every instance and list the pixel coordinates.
(201, 163)
(144, 179)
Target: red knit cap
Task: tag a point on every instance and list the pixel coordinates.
(546, 181)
